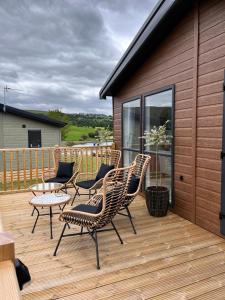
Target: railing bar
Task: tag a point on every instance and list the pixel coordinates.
(91, 160)
(42, 160)
(31, 171)
(4, 170)
(49, 159)
(24, 169)
(81, 159)
(86, 163)
(11, 170)
(36, 163)
(18, 168)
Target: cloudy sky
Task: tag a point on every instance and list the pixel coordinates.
(58, 53)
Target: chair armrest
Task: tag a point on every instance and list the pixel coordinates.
(73, 178)
(48, 174)
(85, 176)
(77, 214)
(95, 199)
(97, 185)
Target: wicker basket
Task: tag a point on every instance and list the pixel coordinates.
(157, 200)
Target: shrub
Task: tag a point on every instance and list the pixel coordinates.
(83, 137)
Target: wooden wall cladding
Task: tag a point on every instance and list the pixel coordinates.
(209, 113)
(172, 63)
(191, 57)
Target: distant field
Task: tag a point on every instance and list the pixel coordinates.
(74, 133)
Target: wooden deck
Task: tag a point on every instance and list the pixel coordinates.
(169, 258)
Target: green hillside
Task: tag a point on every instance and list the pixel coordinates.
(75, 133)
(80, 126)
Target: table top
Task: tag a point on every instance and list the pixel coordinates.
(50, 199)
(46, 187)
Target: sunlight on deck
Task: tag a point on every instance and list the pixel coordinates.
(169, 258)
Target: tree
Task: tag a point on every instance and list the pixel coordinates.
(104, 135)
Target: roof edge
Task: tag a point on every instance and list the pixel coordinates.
(31, 116)
(156, 15)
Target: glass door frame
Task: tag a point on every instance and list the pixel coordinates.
(122, 127)
(142, 100)
(157, 91)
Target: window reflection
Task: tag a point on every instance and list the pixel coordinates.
(131, 125)
(128, 157)
(158, 109)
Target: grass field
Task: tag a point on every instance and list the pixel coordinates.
(74, 133)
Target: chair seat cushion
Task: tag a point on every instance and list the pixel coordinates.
(104, 169)
(133, 184)
(88, 208)
(86, 184)
(65, 169)
(58, 179)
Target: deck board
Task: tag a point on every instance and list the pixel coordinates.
(169, 258)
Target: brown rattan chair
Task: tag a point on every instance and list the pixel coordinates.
(141, 163)
(89, 181)
(70, 155)
(100, 210)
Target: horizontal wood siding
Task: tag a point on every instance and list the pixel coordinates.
(198, 197)
(14, 135)
(209, 113)
(172, 63)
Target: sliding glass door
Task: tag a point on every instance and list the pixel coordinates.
(131, 130)
(158, 109)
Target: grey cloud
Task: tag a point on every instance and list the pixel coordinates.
(61, 52)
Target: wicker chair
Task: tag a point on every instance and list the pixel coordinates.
(89, 181)
(141, 163)
(64, 155)
(100, 210)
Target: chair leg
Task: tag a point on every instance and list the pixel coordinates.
(81, 230)
(130, 217)
(59, 241)
(89, 194)
(117, 233)
(96, 246)
(76, 193)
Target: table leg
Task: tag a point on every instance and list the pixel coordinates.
(35, 208)
(50, 214)
(33, 212)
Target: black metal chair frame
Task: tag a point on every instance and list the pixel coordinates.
(114, 157)
(93, 235)
(112, 195)
(141, 162)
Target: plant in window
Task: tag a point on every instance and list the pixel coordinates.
(157, 197)
(157, 137)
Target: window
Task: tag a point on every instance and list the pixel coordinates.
(158, 110)
(131, 130)
(34, 138)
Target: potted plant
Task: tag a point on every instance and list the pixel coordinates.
(157, 196)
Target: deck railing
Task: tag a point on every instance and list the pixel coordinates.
(22, 167)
